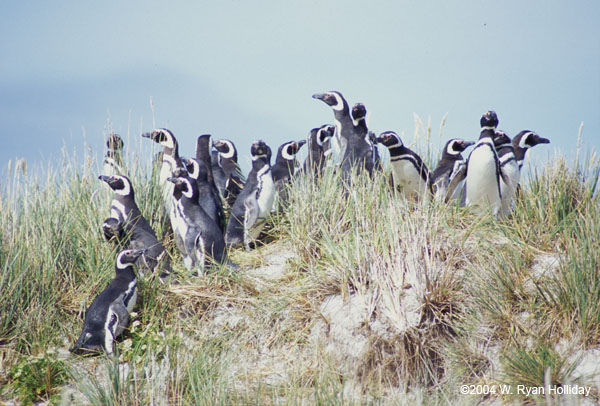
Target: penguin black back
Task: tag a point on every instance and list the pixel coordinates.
(234, 180)
(108, 315)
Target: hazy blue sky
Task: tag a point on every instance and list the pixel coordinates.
(244, 70)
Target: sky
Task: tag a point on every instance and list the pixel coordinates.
(71, 72)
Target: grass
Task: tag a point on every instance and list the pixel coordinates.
(383, 300)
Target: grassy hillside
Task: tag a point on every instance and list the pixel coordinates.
(364, 300)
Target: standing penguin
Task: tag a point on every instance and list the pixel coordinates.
(359, 149)
(126, 216)
(170, 162)
(113, 160)
(201, 235)
(509, 167)
(234, 180)
(286, 163)
(317, 154)
(482, 182)
(254, 202)
(523, 141)
(449, 166)
(108, 315)
(207, 199)
(409, 172)
(343, 122)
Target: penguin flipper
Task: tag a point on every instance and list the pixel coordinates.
(118, 308)
(458, 178)
(250, 217)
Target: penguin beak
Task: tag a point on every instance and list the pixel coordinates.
(301, 143)
(467, 144)
(172, 179)
(105, 178)
(543, 141)
(147, 135)
(319, 96)
(139, 252)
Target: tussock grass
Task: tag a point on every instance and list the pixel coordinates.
(380, 300)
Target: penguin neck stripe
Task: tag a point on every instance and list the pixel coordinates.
(120, 264)
(188, 193)
(285, 153)
(487, 128)
(339, 106)
(230, 151)
(523, 141)
(257, 157)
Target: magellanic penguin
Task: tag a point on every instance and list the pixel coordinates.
(409, 173)
(170, 162)
(286, 163)
(126, 216)
(203, 239)
(208, 195)
(523, 141)
(108, 315)
(482, 182)
(253, 205)
(284, 169)
(450, 165)
(113, 160)
(317, 153)
(343, 122)
(234, 180)
(509, 167)
(203, 156)
(359, 149)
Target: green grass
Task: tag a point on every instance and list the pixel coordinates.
(431, 296)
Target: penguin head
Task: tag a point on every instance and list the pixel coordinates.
(333, 99)
(390, 139)
(455, 146)
(226, 149)
(194, 169)
(119, 183)
(114, 142)
(325, 133)
(260, 149)
(359, 112)
(203, 146)
(501, 139)
(162, 136)
(111, 227)
(289, 150)
(127, 257)
(184, 184)
(489, 119)
(527, 139)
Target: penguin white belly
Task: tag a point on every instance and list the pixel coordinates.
(481, 180)
(266, 195)
(408, 178)
(131, 293)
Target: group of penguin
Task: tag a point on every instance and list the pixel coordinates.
(198, 191)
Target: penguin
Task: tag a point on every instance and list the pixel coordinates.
(108, 315)
(483, 173)
(317, 154)
(286, 163)
(254, 202)
(359, 148)
(218, 173)
(450, 165)
(510, 168)
(207, 199)
(125, 216)
(113, 160)
(409, 172)
(170, 162)
(234, 180)
(343, 122)
(202, 237)
(284, 169)
(523, 141)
